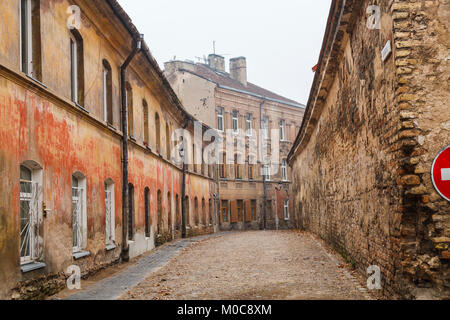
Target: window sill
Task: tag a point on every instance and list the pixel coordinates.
(32, 266)
(81, 254)
(110, 247)
(111, 127)
(133, 139)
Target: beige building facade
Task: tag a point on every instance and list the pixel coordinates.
(238, 109)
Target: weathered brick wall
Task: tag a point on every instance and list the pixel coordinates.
(362, 181)
(422, 57)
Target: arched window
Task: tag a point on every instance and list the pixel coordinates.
(145, 117)
(158, 132)
(77, 67)
(129, 93)
(30, 19)
(130, 212)
(107, 92)
(109, 212)
(168, 141)
(169, 212)
(79, 218)
(203, 211)
(147, 212)
(30, 211)
(196, 214)
(159, 206)
(177, 212)
(210, 212)
(186, 206)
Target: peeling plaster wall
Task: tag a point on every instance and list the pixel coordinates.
(40, 123)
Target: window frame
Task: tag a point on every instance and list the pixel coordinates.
(235, 121)
(286, 210)
(248, 126)
(220, 119)
(284, 173)
(282, 130)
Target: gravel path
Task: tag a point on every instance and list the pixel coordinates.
(252, 265)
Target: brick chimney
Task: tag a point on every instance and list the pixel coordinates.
(238, 69)
(216, 62)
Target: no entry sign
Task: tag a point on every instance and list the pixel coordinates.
(440, 173)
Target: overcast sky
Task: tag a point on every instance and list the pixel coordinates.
(281, 39)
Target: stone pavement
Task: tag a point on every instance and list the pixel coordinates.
(113, 287)
(256, 265)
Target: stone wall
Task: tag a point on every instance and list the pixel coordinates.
(361, 161)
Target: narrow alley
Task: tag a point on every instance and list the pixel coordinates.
(262, 265)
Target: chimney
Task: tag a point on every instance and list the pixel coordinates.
(238, 69)
(216, 62)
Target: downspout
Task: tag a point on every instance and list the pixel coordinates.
(262, 160)
(125, 192)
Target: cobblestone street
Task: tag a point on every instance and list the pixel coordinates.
(252, 265)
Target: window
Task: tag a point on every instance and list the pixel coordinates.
(210, 212)
(146, 128)
(286, 209)
(168, 141)
(158, 132)
(30, 40)
(253, 209)
(129, 94)
(240, 210)
(130, 212)
(77, 69)
(269, 209)
(266, 172)
(248, 122)
(169, 212)
(237, 166)
(109, 212)
(159, 207)
(203, 211)
(194, 163)
(224, 210)
(251, 168)
(30, 200)
(107, 93)
(177, 212)
(282, 130)
(147, 212)
(196, 217)
(79, 219)
(235, 121)
(284, 170)
(186, 206)
(223, 173)
(220, 124)
(265, 127)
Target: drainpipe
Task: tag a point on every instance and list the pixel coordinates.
(125, 192)
(262, 160)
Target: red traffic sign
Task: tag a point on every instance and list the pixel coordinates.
(440, 173)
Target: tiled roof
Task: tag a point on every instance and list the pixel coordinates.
(223, 79)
